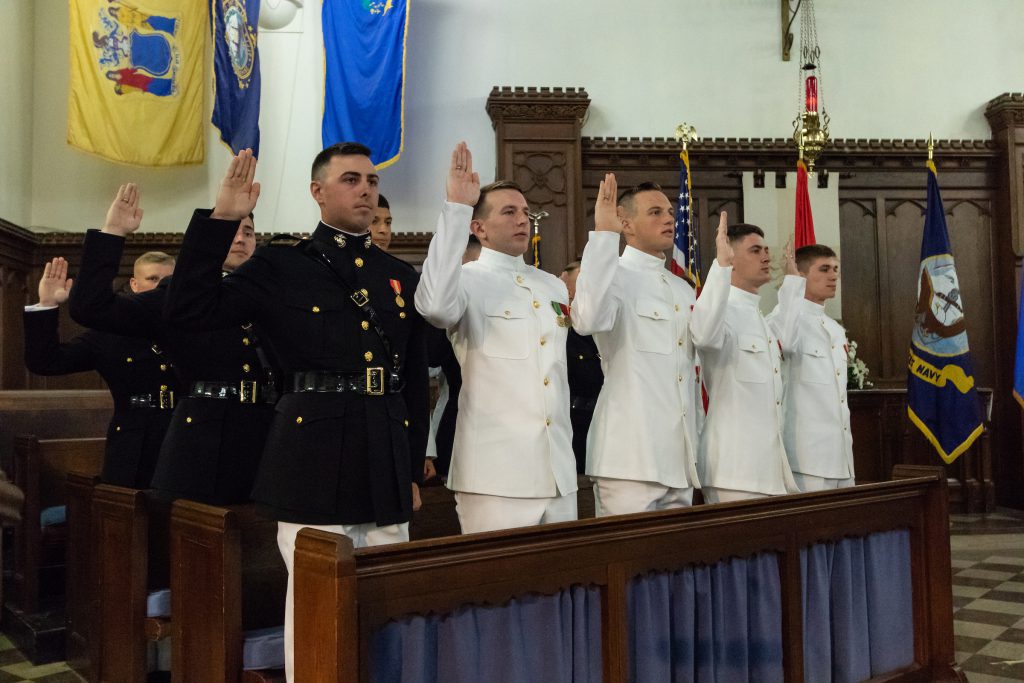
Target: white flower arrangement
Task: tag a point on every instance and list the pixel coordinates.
(856, 370)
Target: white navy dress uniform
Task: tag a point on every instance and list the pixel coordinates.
(512, 460)
(741, 452)
(816, 414)
(642, 444)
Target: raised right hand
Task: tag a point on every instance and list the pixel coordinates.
(605, 215)
(723, 249)
(124, 216)
(463, 184)
(55, 285)
(238, 194)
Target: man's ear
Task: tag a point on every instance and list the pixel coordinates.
(477, 228)
(314, 189)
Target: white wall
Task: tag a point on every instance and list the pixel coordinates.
(16, 111)
(891, 69)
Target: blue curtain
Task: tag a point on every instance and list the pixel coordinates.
(708, 623)
(532, 638)
(858, 614)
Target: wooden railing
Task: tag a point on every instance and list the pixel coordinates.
(343, 597)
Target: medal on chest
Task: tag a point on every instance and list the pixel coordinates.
(396, 286)
(561, 314)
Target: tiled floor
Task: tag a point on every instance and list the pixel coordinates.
(988, 605)
(988, 595)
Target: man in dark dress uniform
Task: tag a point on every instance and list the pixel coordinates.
(137, 372)
(347, 442)
(585, 377)
(215, 439)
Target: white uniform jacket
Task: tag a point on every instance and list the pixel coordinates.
(741, 444)
(644, 426)
(513, 437)
(815, 411)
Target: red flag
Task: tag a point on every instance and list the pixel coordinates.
(804, 219)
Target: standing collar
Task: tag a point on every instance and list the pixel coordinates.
(742, 296)
(638, 260)
(340, 238)
(498, 260)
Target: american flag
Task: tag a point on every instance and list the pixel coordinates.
(685, 254)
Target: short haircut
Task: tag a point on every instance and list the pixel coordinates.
(480, 208)
(627, 200)
(338, 149)
(155, 257)
(571, 266)
(738, 231)
(807, 255)
(473, 242)
(382, 202)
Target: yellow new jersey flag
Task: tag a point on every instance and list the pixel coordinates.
(136, 86)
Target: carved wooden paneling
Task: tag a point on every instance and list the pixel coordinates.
(537, 132)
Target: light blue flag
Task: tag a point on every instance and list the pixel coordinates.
(364, 65)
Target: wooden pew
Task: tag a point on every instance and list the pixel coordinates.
(51, 414)
(34, 607)
(227, 576)
(343, 597)
(81, 599)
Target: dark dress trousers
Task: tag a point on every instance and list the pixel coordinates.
(335, 454)
(585, 380)
(213, 445)
(441, 354)
(141, 381)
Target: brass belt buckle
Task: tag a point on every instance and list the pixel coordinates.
(165, 399)
(359, 298)
(247, 392)
(374, 381)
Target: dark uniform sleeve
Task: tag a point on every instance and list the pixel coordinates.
(417, 397)
(45, 355)
(199, 298)
(93, 302)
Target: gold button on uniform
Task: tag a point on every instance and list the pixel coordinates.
(543, 341)
(368, 356)
(298, 420)
(677, 307)
(546, 381)
(402, 315)
(679, 343)
(245, 367)
(536, 304)
(359, 263)
(548, 422)
(406, 423)
(519, 279)
(581, 357)
(245, 340)
(316, 309)
(365, 325)
(128, 359)
(117, 429)
(163, 387)
(163, 367)
(188, 420)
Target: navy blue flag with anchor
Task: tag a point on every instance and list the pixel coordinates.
(236, 72)
(941, 396)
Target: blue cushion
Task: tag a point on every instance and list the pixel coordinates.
(158, 603)
(263, 649)
(52, 516)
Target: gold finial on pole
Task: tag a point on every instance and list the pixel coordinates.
(931, 148)
(685, 133)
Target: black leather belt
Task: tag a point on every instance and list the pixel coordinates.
(583, 403)
(372, 382)
(162, 400)
(243, 392)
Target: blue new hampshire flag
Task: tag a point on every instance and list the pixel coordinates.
(236, 71)
(364, 80)
(941, 396)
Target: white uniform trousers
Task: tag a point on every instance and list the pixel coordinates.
(715, 495)
(809, 482)
(625, 496)
(362, 535)
(481, 512)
